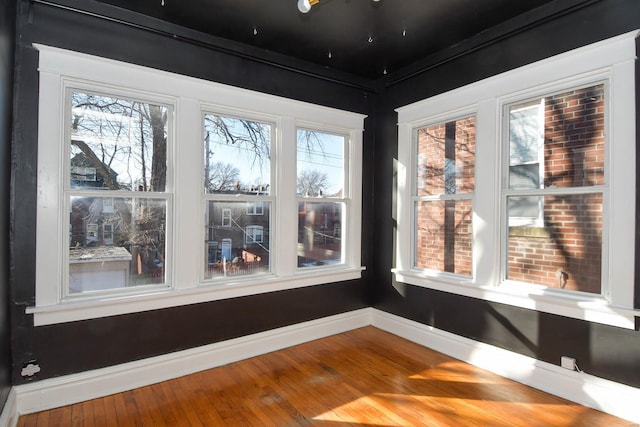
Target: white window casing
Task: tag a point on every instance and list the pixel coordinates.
(610, 61)
(189, 98)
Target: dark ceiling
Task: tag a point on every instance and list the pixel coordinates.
(365, 38)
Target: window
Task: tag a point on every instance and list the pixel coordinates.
(124, 140)
(322, 197)
(81, 174)
(226, 219)
(107, 205)
(255, 208)
(254, 234)
(526, 161)
(107, 234)
(234, 186)
(515, 189)
(563, 193)
(117, 231)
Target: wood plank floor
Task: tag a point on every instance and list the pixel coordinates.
(362, 377)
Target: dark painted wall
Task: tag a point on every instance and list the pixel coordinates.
(79, 346)
(7, 36)
(603, 351)
(74, 347)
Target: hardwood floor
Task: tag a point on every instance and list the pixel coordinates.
(362, 377)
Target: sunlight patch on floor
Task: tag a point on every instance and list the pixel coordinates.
(389, 409)
(458, 372)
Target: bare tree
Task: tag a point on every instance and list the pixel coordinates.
(222, 177)
(312, 182)
(246, 135)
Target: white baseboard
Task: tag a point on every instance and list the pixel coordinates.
(9, 415)
(597, 393)
(56, 392)
(582, 388)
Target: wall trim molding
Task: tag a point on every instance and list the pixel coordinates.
(597, 393)
(607, 396)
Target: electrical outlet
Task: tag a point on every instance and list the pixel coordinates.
(568, 363)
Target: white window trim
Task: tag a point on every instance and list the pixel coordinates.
(611, 60)
(61, 68)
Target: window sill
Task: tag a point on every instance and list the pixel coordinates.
(90, 308)
(578, 306)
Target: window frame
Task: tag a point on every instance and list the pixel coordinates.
(69, 86)
(60, 68)
(611, 61)
(251, 205)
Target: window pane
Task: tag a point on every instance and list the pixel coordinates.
(443, 239)
(560, 138)
(446, 157)
(567, 252)
(237, 155)
(117, 144)
(320, 164)
(236, 243)
(118, 247)
(319, 234)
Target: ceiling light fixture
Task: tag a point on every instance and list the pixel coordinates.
(304, 6)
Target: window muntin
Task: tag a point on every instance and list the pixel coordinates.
(564, 142)
(117, 145)
(237, 164)
(444, 187)
(321, 184)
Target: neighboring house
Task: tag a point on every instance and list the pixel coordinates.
(237, 233)
(85, 174)
(97, 223)
(319, 233)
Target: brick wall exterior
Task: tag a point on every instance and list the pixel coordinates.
(567, 252)
(430, 250)
(443, 240)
